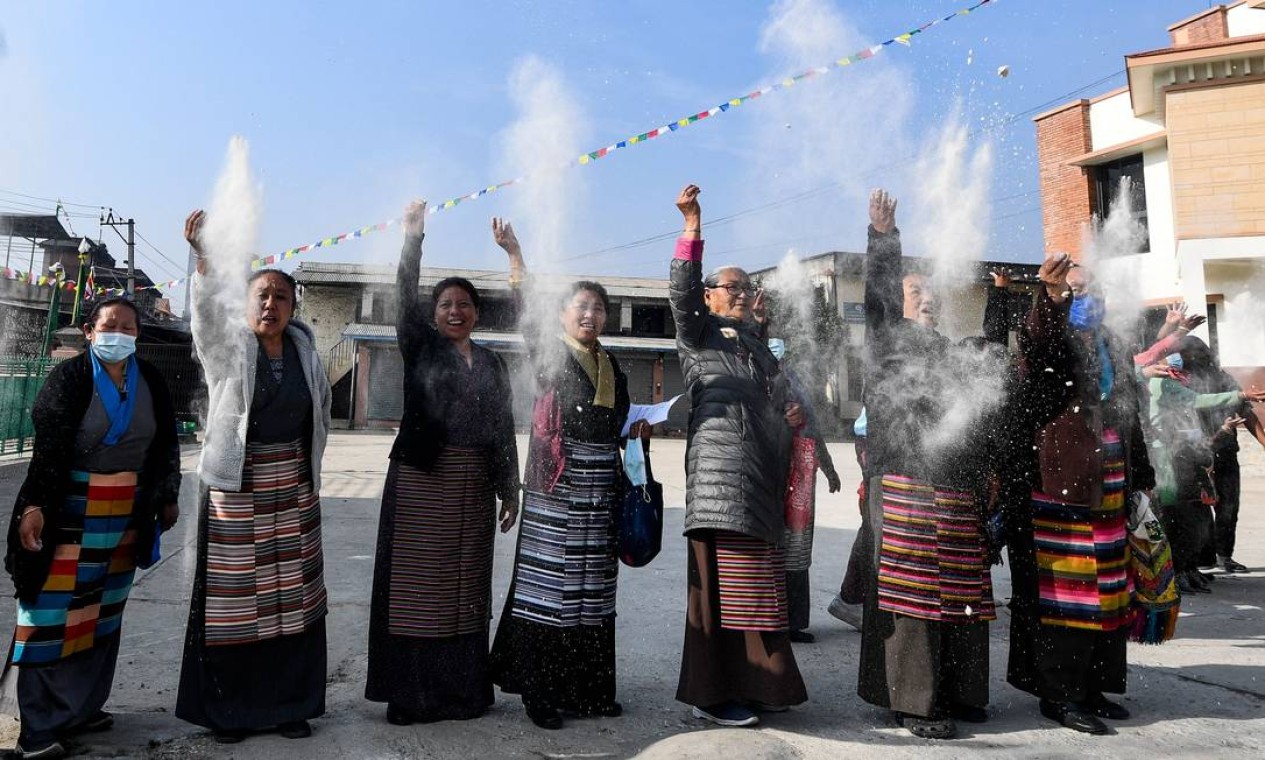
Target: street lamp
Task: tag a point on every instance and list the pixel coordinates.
(54, 306)
(85, 253)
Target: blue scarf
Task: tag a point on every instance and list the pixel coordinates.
(1106, 377)
(118, 407)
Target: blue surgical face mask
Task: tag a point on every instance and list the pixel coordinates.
(635, 462)
(1086, 313)
(1175, 361)
(113, 347)
(778, 347)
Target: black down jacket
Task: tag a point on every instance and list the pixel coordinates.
(738, 454)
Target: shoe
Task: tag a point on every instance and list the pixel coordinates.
(545, 717)
(848, 613)
(47, 752)
(802, 637)
(1071, 716)
(968, 713)
(727, 714)
(229, 737)
(1208, 577)
(1199, 581)
(398, 716)
(1105, 708)
(765, 708)
(295, 729)
(1230, 566)
(927, 728)
(1188, 585)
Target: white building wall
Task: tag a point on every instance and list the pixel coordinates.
(1245, 21)
(1160, 278)
(1111, 122)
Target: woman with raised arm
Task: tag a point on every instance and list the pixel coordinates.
(737, 653)
(254, 654)
(555, 642)
(454, 456)
(104, 478)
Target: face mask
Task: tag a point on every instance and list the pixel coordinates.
(635, 462)
(1175, 361)
(113, 347)
(1086, 312)
(778, 347)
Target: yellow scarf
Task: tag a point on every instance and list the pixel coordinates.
(597, 365)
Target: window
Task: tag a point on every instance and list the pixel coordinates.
(649, 320)
(1107, 178)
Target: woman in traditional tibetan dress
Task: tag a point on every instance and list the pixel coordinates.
(254, 653)
(454, 456)
(104, 478)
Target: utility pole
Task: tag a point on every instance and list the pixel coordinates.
(110, 220)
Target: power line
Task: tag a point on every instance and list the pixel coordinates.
(180, 269)
(50, 200)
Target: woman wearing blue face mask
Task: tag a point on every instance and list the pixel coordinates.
(104, 478)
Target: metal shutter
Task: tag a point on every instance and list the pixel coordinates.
(386, 384)
(673, 384)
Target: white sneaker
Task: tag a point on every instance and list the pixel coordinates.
(728, 714)
(848, 613)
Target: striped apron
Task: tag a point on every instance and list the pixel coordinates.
(933, 564)
(1083, 553)
(94, 562)
(264, 568)
(751, 583)
(567, 569)
(441, 550)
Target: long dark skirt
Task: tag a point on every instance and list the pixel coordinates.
(567, 668)
(248, 686)
(1056, 662)
(725, 665)
(56, 698)
(1189, 528)
(1229, 487)
(428, 652)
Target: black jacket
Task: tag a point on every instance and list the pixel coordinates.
(738, 454)
(59, 409)
(431, 377)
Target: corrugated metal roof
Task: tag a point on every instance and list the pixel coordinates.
(386, 333)
(320, 273)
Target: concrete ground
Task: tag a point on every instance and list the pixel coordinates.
(1201, 695)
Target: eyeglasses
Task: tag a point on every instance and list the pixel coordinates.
(734, 289)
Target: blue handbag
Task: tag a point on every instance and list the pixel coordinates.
(640, 521)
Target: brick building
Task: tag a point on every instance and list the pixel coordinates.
(1188, 130)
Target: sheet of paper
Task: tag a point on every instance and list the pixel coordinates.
(651, 413)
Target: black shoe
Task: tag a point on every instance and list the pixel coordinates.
(802, 637)
(297, 729)
(968, 713)
(1071, 716)
(545, 717)
(52, 751)
(1104, 708)
(1188, 584)
(398, 716)
(1230, 566)
(1199, 581)
(229, 737)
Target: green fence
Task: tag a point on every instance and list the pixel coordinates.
(20, 383)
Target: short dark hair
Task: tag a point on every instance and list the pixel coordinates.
(455, 282)
(105, 303)
(293, 283)
(590, 285)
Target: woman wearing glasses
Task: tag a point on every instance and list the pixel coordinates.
(737, 647)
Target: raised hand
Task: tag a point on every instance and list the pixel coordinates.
(1152, 371)
(1053, 275)
(1001, 278)
(1193, 321)
(759, 308)
(1176, 313)
(687, 203)
(503, 234)
(1233, 423)
(415, 219)
(193, 230)
(882, 211)
(1254, 396)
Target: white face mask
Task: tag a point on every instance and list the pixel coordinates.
(113, 347)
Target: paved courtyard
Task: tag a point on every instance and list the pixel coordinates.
(1201, 695)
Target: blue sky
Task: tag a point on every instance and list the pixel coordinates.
(352, 109)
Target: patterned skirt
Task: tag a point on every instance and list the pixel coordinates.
(441, 550)
(751, 583)
(801, 497)
(933, 564)
(1083, 553)
(566, 569)
(264, 567)
(94, 562)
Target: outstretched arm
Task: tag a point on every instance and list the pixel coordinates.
(686, 285)
(212, 323)
(412, 329)
(997, 309)
(884, 296)
(520, 284)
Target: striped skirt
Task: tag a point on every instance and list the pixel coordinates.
(94, 562)
(933, 564)
(566, 569)
(441, 550)
(264, 568)
(751, 583)
(1083, 553)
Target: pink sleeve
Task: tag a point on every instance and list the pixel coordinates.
(1158, 351)
(689, 250)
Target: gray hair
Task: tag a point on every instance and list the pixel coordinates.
(713, 280)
